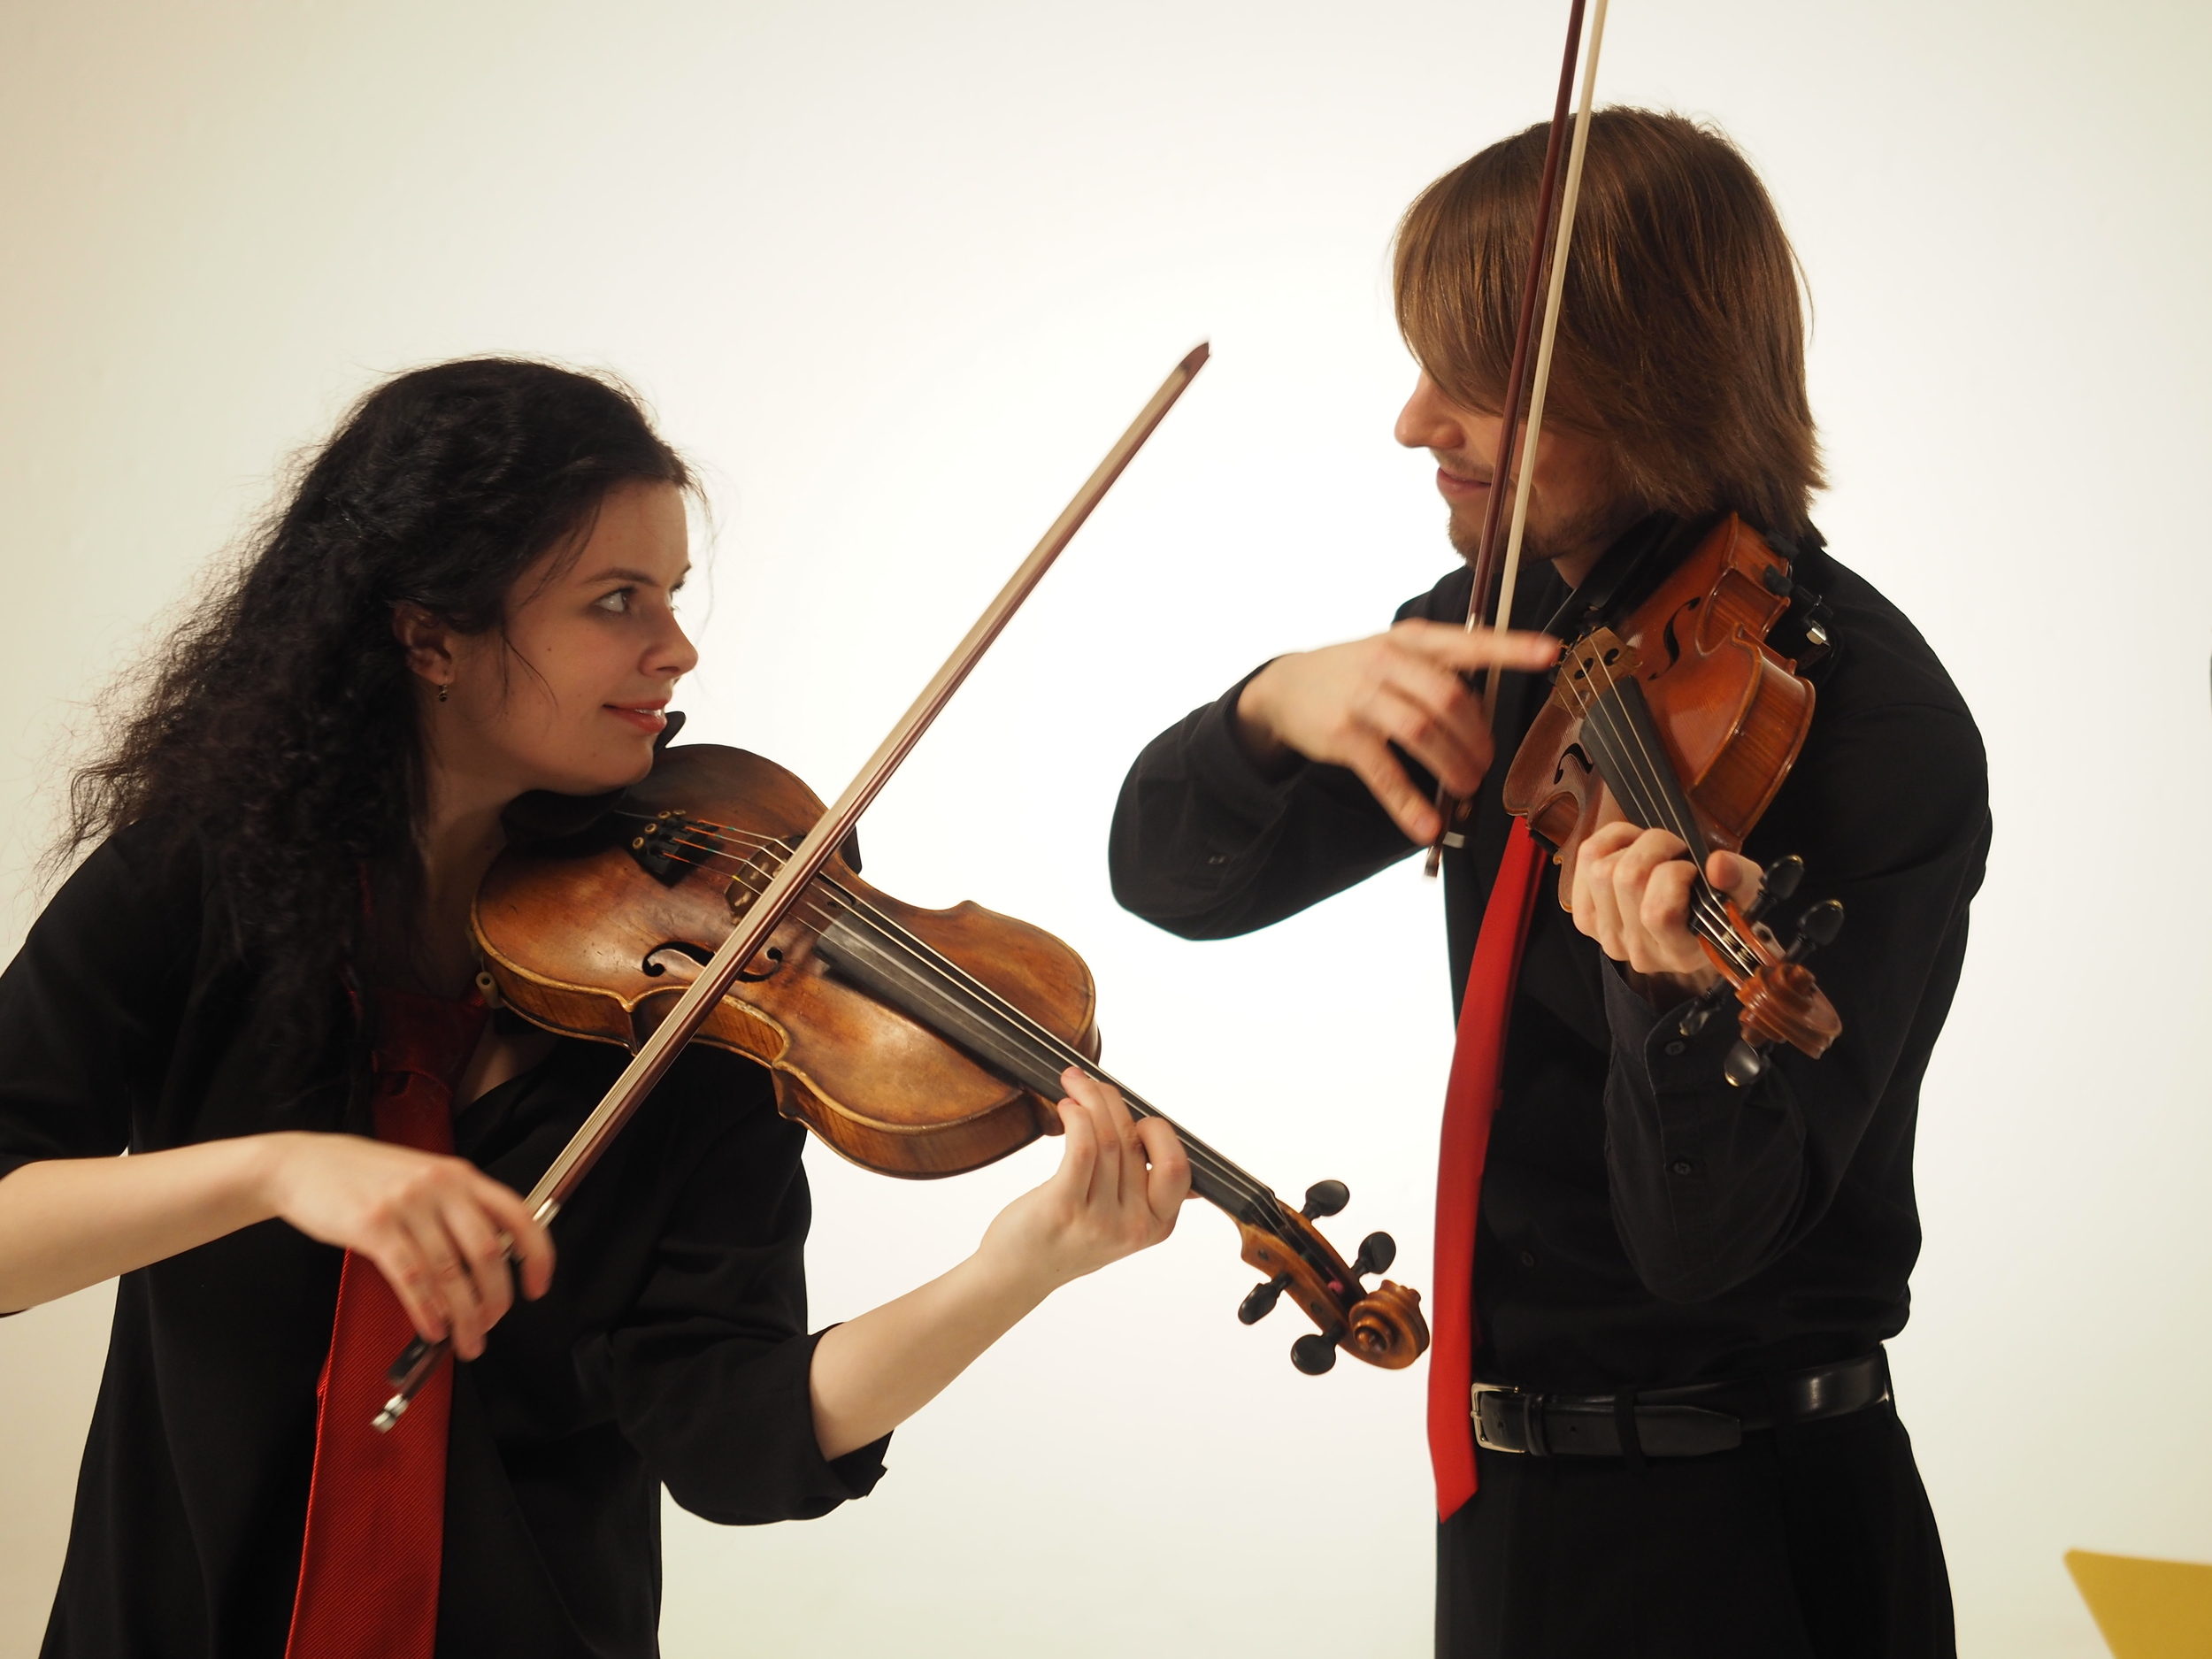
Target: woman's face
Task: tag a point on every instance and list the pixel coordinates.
(572, 697)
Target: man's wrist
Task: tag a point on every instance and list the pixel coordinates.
(1664, 990)
(1255, 733)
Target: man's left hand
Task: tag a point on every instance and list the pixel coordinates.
(1629, 889)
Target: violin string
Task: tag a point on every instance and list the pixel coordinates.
(1657, 807)
(1648, 795)
(775, 851)
(1621, 734)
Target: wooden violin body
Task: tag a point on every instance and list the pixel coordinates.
(584, 937)
(1691, 720)
(1729, 710)
(915, 1042)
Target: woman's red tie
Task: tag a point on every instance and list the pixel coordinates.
(368, 1584)
(1470, 1099)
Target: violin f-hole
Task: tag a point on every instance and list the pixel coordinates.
(1573, 751)
(688, 958)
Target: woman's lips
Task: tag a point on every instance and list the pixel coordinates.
(1456, 488)
(650, 721)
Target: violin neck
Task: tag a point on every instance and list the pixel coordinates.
(891, 963)
(1622, 742)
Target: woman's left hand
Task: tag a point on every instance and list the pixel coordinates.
(1118, 1188)
(1116, 1192)
(1629, 889)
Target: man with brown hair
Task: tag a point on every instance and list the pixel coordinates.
(1681, 1421)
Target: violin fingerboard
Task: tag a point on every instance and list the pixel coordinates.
(1623, 739)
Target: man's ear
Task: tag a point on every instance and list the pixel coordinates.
(427, 641)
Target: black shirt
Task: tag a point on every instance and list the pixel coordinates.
(1642, 1220)
(672, 1348)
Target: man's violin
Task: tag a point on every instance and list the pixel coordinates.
(1691, 719)
(1681, 709)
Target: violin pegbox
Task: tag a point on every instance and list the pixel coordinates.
(1383, 1326)
(1779, 1000)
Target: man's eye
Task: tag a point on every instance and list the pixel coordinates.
(617, 601)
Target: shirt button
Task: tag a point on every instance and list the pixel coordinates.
(1680, 1166)
(1676, 1046)
(1528, 1258)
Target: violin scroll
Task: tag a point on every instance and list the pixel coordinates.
(1383, 1326)
(1779, 1002)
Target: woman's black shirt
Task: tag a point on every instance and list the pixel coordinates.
(671, 1349)
(1642, 1221)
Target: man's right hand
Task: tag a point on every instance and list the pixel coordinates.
(1347, 705)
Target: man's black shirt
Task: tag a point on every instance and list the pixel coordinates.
(1643, 1221)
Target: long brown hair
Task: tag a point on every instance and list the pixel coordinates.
(274, 734)
(1681, 339)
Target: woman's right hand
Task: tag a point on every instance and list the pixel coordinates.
(440, 1230)
(1347, 705)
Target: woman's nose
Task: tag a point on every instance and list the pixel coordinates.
(675, 656)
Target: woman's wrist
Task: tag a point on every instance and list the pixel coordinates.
(1001, 1279)
(266, 1162)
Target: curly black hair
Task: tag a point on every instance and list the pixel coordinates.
(276, 733)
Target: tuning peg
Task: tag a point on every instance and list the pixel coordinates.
(1816, 927)
(1325, 1198)
(1313, 1354)
(1376, 1252)
(1702, 1008)
(1744, 1064)
(1261, 1302)
(1776, 883)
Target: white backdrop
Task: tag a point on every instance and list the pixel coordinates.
(895, 275)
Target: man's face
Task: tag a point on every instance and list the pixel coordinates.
(1575, 510)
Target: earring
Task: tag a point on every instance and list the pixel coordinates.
(442, 691)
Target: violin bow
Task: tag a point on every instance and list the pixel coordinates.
(765, 914)
(1547, 248)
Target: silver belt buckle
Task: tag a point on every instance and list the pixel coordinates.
(1475, 1396)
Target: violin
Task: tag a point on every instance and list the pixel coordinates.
(1691, 719)
(719, 900)
(915, 1042)
(1679, 709)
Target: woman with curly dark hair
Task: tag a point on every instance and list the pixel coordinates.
(260, 984)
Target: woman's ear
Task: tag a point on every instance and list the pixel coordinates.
(428, 642)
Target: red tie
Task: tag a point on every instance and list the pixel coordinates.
(1470, 1099)
(369, 1566)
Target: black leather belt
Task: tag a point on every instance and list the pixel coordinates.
(1689, 1421)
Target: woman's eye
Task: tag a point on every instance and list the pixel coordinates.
(618, 602)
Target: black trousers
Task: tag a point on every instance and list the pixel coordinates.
(1810, 1541)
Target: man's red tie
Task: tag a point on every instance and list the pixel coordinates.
(1470, 1099)
(369, 1566)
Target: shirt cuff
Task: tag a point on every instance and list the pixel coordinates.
(856, 1472)
(1673, 1062)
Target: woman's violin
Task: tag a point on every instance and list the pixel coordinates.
(718, 900)
(915, 1042)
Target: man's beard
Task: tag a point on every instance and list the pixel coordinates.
(1540, 544)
